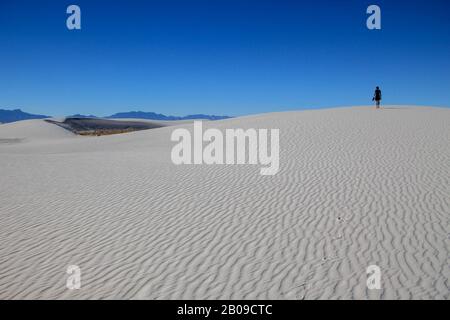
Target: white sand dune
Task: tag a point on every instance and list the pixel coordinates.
(356, 187)
(32, 130)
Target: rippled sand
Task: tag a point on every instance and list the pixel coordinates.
(356, 187)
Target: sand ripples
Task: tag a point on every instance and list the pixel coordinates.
(356, 187)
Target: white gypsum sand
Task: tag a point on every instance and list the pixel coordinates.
(356, 187)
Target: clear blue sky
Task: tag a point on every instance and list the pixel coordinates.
(221, 56)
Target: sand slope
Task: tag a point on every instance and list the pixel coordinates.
(356, 187)
(31, 130)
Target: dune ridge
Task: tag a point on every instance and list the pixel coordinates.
(356, 187)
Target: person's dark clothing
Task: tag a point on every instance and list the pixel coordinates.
(377, 95)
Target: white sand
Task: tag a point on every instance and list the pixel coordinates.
(32, 130)
(356, 187)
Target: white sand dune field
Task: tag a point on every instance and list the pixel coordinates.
(356, 187)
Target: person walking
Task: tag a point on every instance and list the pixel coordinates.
(377, 97)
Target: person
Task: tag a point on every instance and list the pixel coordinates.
(377, 97)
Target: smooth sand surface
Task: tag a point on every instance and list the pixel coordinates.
(356, 187)
(32, 130)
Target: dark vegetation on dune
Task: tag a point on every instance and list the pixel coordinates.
(99, 127)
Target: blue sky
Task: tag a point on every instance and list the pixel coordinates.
(220, 57)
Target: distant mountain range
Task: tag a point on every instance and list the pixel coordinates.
(17, 115)
(159, 116)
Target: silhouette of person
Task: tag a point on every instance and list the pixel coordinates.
(377, 97)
